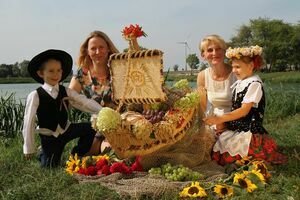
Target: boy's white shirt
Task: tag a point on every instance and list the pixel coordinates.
(76, 100)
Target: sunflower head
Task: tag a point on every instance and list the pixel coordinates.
(262, 168)
(223, 191)
(243, 182)
(244, 161)
(99, 157)
(72, 164)
(259, 175)
(194, 190)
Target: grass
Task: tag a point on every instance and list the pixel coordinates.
(22, 179)
(56, 184)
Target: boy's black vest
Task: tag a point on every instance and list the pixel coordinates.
(52, 112)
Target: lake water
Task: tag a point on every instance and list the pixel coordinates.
(23, 89)
(20, 90)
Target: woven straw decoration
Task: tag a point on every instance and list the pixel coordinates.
(137, 77)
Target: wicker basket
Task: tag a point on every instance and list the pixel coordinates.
(126, 144)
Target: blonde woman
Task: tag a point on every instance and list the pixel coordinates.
(215, 81)
(93, 77)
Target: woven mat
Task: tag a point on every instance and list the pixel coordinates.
(142, 184)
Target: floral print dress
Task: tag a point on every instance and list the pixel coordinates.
(247, 136)
(92, 88)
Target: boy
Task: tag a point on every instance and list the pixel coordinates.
(49, 103)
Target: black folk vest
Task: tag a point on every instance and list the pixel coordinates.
(52, 112)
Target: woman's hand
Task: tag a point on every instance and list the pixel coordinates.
(212, 120)
(220, 128)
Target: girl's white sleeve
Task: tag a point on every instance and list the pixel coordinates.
(253, 94)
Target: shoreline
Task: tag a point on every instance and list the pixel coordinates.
(273, 77)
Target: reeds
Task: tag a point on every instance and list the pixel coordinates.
(11, 116)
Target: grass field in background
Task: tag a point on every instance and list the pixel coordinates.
(22, 180)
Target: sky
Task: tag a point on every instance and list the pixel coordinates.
(28, 27)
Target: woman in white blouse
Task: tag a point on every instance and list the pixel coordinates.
(215, 81)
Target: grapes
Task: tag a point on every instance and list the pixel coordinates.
(153, 116)
(190, 100)
(181, 84)
(176, 173)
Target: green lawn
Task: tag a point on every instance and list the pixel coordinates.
(21, 179)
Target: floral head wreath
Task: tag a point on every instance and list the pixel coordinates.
(243, 51)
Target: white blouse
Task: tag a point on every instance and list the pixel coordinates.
(32, 103)
(219, 93)
(254, 92)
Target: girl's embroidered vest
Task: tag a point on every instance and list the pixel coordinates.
(52, 112)
(253, 120)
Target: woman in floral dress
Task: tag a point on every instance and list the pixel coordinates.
(93, 76)
(246, 135)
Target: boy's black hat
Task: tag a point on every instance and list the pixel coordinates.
(37, 61)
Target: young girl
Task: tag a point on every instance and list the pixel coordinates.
(245, 135)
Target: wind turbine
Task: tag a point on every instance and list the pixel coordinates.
(186, 46)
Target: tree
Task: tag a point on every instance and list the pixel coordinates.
(193, 61)
(204, 65)
(23, 68)
(176, 67)
(15, 70)
(278, 39)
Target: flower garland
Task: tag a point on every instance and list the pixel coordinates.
(249, 177)
(133, 31)
(243, 51)
(101, 165)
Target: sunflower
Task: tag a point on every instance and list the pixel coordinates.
(257, 173)
(243, 182)
(244, 161)
(194, 190)
(223, 191)
(97, 158)
(72, 164)
(86, 162)
(261, 166)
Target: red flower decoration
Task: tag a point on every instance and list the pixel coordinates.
(104, 170)
(136, 166)
(133, 31)
(120, 167)
(89, 171)
(102, 162)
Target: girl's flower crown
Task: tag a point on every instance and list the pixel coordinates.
(243, 51)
